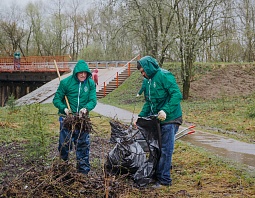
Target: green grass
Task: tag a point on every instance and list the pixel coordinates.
(23, 122)
(229, 117)
(33, 125)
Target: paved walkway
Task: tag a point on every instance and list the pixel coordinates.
(114, 112)
(45, 93)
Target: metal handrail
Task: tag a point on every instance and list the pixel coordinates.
(117, 74)
(34, 66)
(121, 68)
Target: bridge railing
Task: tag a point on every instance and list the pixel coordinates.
(36, 59)
(34, 67)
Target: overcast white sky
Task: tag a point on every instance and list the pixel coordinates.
(23, 3)
(19, 2)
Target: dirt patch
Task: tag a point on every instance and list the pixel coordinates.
(59, 179)
(231, 80)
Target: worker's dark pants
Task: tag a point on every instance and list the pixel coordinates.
(81, 142)
(168, 132)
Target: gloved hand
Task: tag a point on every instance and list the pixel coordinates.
(67, 111)
(161, 115)
(134, 123)
(137, 95)
(82, 112)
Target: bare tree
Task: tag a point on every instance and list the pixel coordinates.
(194, 23)
(12, 30)
(106, 37)
(56, 29)
(74, 10)
(34, 13)
(152, 23)
(247, 18)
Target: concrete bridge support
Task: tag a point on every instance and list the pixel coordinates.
(16, 89)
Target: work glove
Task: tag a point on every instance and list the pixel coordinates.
(82, 112)
(137, 95)
(134, 123)
(67, 111)
(161, 115)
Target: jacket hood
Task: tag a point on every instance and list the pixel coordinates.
(150, 65)
(81, 66)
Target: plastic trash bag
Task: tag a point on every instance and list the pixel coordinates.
(118, 131)
(150, 128)
(125, 158)
(128, 156)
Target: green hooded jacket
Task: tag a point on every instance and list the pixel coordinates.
(162, 91)
(79, 94)
(143, 86)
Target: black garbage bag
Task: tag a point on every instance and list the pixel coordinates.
(128, 156)
(125, 158)
(150, 128)
(118, 131)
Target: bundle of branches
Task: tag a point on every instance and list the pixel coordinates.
(74, 122)
(61, 179)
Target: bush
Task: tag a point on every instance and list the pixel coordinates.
(11, 104)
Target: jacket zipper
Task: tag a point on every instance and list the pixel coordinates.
(78, 105)
(151, 105)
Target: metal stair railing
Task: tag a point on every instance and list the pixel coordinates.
(116, 75)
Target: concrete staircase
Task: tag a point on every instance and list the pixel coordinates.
(116, 81)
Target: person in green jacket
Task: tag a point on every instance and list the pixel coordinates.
(142, 88)
(164, 98)
(80, 91)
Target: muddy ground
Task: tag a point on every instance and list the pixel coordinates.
(232, 80)
(20, 178)
(23, 178)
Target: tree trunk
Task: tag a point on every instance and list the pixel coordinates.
(186, 87)
(186, 77)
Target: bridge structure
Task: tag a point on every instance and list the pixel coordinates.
(33, 72)
(19, 77)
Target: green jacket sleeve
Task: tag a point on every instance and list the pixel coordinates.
(143, 87)
(141, 91)
(59, 99)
